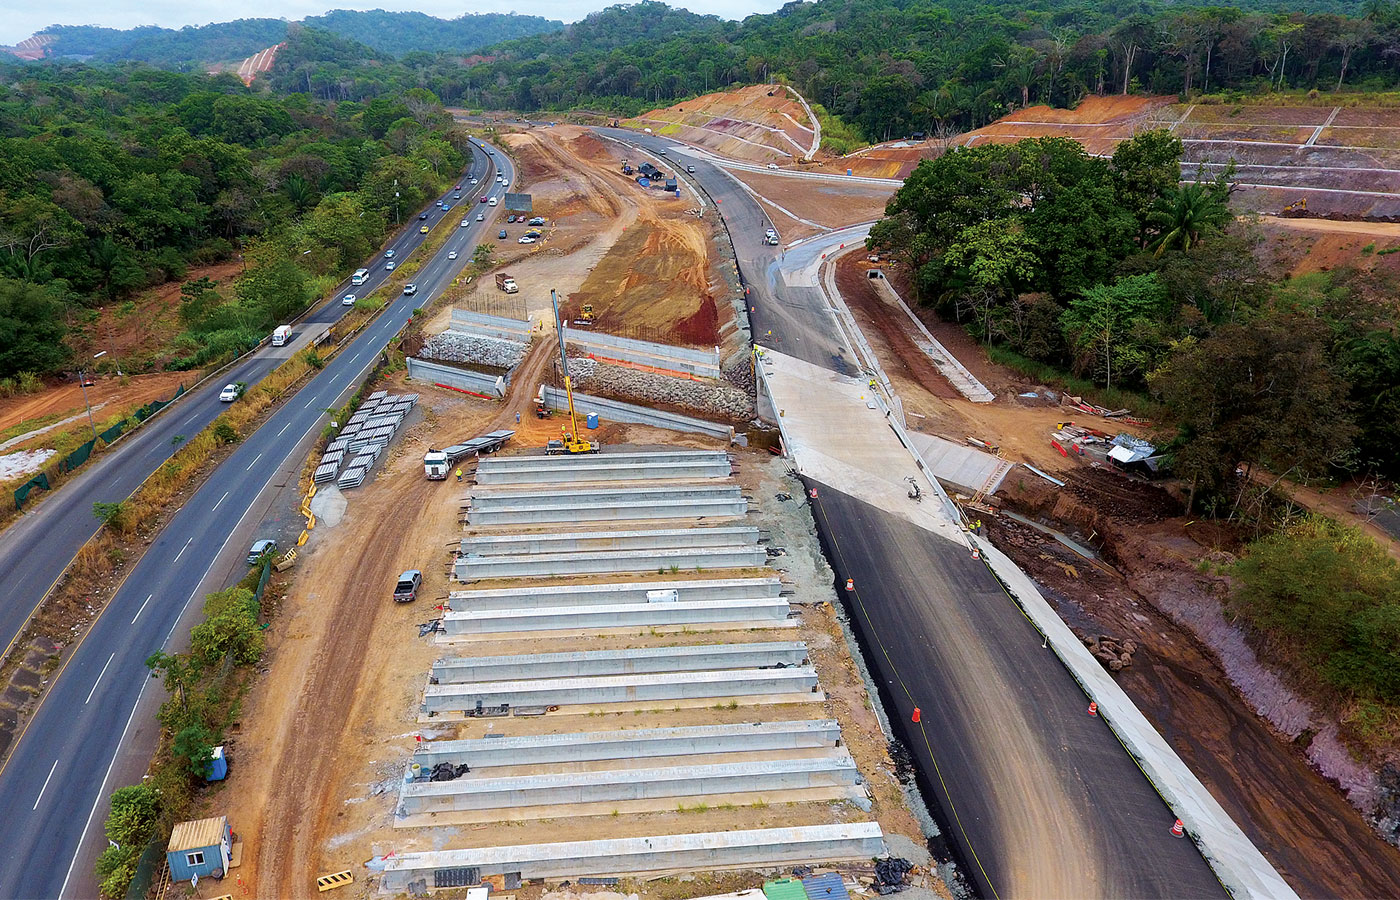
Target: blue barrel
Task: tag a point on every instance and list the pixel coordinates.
(592, 420)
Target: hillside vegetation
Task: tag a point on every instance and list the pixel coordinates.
(112, 180)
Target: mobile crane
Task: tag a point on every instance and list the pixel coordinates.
(571, 443)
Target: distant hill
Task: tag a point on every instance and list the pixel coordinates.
(196, 47)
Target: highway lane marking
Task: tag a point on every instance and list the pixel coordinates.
(98, 681)
(182, 550)
(45, 787)
(221, 500)
(355, 357)
(284, 428)
(253, 463)
(142, 609)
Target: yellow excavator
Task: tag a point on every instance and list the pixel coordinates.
(571, 443)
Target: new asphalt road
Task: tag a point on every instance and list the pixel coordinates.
(94, 730)
(1040, 798)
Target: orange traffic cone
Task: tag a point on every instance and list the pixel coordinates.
(976, 554)
(812, 493)
(915, 716)
(1178, 830)
(850, 584)
(1093, 708)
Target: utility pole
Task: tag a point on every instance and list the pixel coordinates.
(82, 383)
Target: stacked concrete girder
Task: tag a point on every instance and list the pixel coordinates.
(612, 594)
(756, 612)
(767, 655)
(527, 507)
(764, 847)
(632, 743)
(650, 687)
(585, 553)
(769, 780)
(688, 464)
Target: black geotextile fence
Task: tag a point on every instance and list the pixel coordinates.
(81, 455)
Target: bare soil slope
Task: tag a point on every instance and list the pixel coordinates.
(761, 123)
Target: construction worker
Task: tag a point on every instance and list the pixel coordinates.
(459, 474)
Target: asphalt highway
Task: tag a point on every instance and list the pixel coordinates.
(94, 730)
(35, 550)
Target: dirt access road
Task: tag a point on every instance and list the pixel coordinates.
(1301, 823)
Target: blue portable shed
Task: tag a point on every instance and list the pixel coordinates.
(201, 847)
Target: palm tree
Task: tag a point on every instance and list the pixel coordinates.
(1186, 212)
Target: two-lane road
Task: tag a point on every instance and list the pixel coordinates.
(94, 729)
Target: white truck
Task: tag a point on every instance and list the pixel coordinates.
(281, 334)
(437, 464)
(506, 283)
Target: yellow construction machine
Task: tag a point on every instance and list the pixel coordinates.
(571, 443)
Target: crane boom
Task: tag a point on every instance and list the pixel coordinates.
(571, 442)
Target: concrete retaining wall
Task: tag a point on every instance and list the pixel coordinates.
(662, 356)
(617, 411)
(770, 611)
(607, 562)
(641, 688)
(608, 471)
(622, 785)
(582, 541)
(436, 373)
(960, 466)
(465, 669)
(492, 326)
(634, 743)
(619, 593)
(764, 847)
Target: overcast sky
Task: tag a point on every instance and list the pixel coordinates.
(18, 20)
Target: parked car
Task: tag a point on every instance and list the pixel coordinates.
(537, 220)
(534, 234)
(347, 300)
(259, 550)
(772, 165)
(230, 393)
(452, 255)
(388, 254)
(511, 218)
(526, 239)
(501, 235)
(389, 266)
(406, 590)
(410, 289)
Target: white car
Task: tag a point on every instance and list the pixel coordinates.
(389, 266)
(410, 289)
(388, 254)
(526, 240)
(466, 222)
(481, 217)
(452, 255)
(347, 300)
(229, 393)
(661, 152)
(473, 181)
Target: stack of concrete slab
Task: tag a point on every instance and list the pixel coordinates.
(704, 615)
(494, 506)
(598, 552)
(614, 594)
(704, 657)
(362, 439)
(640, 466)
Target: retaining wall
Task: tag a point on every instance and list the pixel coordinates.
(705, 657)
(492, 326)
(582, 541)
(618, 411)
(474, 568)
(623, 785)
(640, 688)
(770, 611)
(634, 743)
(437, 373)
(662, 356)
(619, 593)
(764, 847)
